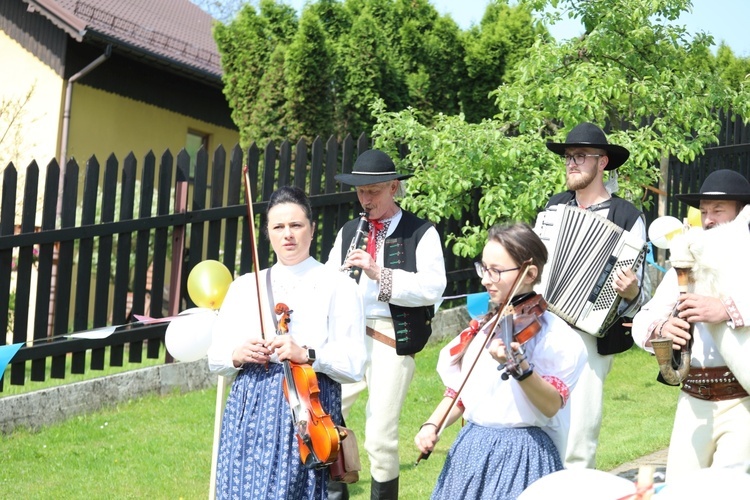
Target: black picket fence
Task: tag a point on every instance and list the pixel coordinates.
(126, 246)
(104, 263)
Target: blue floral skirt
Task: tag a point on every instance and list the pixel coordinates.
(498, 464)
(259, 455)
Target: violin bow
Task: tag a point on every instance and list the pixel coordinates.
(490, 335)
(221, 385)
(253, 245)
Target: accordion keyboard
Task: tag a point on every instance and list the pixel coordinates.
(584, 250)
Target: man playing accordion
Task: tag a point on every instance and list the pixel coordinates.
(587, 154)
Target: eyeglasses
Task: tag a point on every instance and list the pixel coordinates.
(494, 274)
(578, 158)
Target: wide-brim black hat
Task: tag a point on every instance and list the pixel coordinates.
(720, 185)
(588, 135)
(371, 167)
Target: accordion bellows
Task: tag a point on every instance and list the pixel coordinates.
(585, 250)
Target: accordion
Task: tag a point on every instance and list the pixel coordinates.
(585, 250)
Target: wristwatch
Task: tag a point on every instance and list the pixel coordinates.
(310, 356)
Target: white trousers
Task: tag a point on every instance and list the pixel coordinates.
(387, 377)
(586, 408)
(708, 434)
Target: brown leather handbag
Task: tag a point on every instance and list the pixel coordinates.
(347, 465)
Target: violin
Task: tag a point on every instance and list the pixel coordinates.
(520, 324)
(318, 437)
(526, 315)
(526, 323)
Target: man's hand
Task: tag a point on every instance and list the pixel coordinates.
(625, 284)
(695, 308)
(363, 260)
(676, 329)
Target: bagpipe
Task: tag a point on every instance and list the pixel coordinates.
(718, 267)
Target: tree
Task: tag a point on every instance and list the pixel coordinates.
(269, 119)
(308, 91)
(246, 45)
(492, 49)
(365, 73)
(13, 116)
(632, 71)
(342, 55)
(734, 70)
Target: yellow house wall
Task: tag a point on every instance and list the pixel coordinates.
(103, 123)
(34, 135)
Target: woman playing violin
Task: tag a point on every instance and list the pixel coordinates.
(516, 428)
(259, 455)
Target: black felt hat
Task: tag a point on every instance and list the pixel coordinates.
(588, 135)
(371, 167)
(720, 185)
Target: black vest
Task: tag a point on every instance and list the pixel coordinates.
(624, 214)
(413, 325)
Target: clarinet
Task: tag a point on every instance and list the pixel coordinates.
(359, 240)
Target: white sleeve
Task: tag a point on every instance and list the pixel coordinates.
(343, 355)
(334, 256)
(233, 326)
(656, 310)
(645, 294)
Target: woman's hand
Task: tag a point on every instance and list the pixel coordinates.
(497, 350)
(252, 351)
(427, 437)
(286, 349)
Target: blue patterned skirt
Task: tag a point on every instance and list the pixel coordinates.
(498, 464)
(259, 454)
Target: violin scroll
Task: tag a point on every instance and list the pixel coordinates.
(284, 317)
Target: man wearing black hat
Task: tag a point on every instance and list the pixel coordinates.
(587, 154)
(712, 421)
(403, 276)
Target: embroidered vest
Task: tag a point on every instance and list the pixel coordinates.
(413, 325)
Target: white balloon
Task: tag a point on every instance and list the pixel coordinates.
(583, 484)
(662, 229)
(188, 336)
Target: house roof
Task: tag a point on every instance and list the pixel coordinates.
(175, 32)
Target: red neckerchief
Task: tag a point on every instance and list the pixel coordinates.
(372, 237)
(466, 337)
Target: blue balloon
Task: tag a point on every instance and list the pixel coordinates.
(478, 304)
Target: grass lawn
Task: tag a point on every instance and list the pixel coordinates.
(160, 447)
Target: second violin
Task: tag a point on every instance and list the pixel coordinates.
(520, 325)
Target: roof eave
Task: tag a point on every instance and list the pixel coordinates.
(60, 17)
(191, 71)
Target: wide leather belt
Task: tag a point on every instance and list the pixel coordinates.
(713, 384)
(385, 339)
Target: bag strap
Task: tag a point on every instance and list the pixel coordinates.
(270, 299)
